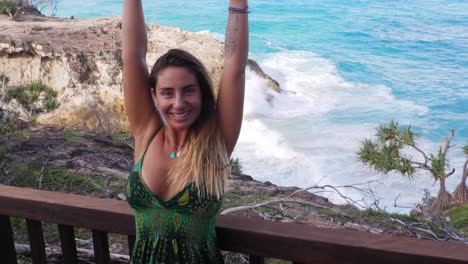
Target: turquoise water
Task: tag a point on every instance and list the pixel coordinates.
(345, 67)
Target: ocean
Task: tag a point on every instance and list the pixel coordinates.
(344, 68)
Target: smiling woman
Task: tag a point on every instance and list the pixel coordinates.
(185, 138)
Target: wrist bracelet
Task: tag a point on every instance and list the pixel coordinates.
(239, 10)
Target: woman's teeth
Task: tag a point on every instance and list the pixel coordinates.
(180, 115)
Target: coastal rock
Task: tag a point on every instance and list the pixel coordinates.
(81, 60)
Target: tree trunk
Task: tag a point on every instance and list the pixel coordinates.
(461, 193)
(443, 199)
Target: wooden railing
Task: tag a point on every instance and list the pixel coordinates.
(257, 238)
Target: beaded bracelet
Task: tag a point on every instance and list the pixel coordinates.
(244, 10)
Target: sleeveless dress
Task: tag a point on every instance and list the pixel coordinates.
(179, 230)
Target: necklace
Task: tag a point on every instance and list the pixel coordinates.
(176, 153)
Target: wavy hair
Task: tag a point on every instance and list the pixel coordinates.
(204, 158)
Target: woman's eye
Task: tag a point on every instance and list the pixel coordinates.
(191, 90)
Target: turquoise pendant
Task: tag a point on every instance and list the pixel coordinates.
(173, 155)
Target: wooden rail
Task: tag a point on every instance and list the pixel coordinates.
(259, 239)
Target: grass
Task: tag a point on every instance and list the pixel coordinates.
(368, 215)
(459, 217)
(55, 178)
(72, 136)
(376, 216)
(329, 213)
(120, 136)
(23, 134)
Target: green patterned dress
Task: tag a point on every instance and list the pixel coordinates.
(180, 230)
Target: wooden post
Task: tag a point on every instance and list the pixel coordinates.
(36, 240)
(101, 247)
(7, 243)
(68, 244)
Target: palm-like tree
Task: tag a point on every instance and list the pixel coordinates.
(385, 154)
(461, 193)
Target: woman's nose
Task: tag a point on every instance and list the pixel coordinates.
(179, 101)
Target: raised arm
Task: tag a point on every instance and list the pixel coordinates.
(141, 112)
(230, 105)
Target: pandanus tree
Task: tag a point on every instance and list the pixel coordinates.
(389, 152)
(461, 193)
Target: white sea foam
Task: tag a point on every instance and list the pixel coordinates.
(311, 132)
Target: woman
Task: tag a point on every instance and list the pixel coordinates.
(183, 140)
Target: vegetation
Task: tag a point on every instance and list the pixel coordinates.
(387, 153)
(459, 217)
(72, 136)
(7, 130)
(35, 97)
(4, 79)
(461, 193)
(236, 166)
(44, 5)
(52, 178)
(11, 7)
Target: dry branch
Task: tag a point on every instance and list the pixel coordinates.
(288, 199)
(83, 254)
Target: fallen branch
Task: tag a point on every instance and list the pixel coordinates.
(288, 199)
(285, 200)
(83, 254)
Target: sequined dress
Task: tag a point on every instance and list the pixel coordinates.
(179, 230)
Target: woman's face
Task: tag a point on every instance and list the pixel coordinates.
(178, 97)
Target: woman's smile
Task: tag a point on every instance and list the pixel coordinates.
(180, 115)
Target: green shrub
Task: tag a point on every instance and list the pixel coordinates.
(31, 95)
(10, 7)
(4, 79)
(7, 129)
(51, 105)
(459, 217)
(236, 166)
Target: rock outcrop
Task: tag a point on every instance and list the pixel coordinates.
(81, 59)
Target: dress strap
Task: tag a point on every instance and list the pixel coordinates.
(151, 140)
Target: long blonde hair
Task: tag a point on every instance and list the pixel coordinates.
(204, 158)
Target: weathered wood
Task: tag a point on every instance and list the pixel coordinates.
(294, 242)
(7, 243)
(110, 215)
(68, 244)
(101, 247)
(131, 244)
(256, 259)
(301, 243)
(36, 240)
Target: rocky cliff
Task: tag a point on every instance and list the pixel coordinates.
(81, 60)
